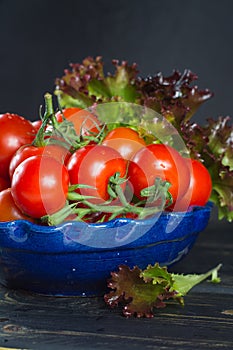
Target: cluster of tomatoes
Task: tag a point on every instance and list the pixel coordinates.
(91, 172)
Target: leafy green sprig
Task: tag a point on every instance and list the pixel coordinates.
(82, 207)
(140, 292)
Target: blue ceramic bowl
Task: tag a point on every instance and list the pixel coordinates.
(76, 258)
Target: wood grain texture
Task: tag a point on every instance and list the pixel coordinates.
(30, 321)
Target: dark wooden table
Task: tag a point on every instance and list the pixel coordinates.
(205, 322)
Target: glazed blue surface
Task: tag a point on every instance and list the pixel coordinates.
(76, 258)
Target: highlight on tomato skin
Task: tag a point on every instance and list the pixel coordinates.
(40, 186)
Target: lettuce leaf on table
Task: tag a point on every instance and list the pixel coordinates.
(140, 292)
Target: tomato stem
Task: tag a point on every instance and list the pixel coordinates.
(39, 140)
(157, 196)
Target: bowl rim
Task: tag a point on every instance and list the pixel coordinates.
(107, 224)
(84, 237)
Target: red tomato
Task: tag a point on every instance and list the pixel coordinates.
(125, 140)
(8, 209)
(56, 151)
(83, 120)
(93, 165)
(200, 187)
(67, 113)
(4, 183)
(40, 186)
(37, 124)
(157, 160)
(15, 131)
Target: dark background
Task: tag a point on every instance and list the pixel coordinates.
(38, 39)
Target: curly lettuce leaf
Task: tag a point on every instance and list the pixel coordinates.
(181, 283)
(85, 83)
(213, 145)
(72, 87)
(222, 193)
(174, 96)
(142, 291)
(139, 296)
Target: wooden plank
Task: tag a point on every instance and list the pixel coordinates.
(30, 321)
(75, 321)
